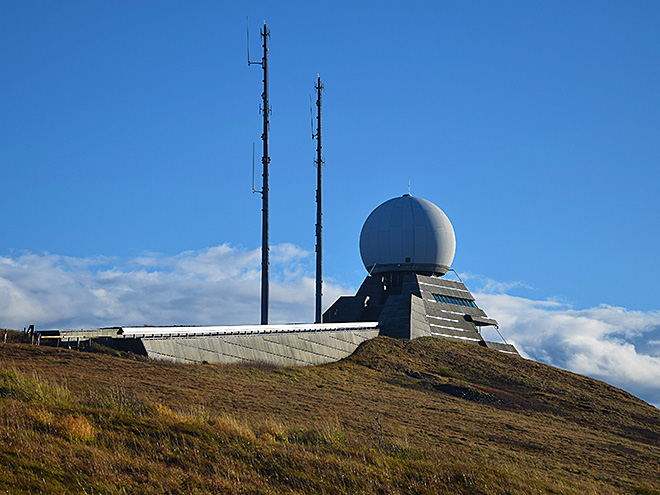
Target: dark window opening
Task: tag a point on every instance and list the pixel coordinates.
(454, 300)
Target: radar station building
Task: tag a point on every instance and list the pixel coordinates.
(407, 245)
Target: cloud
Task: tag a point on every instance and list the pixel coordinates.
(217, 285)
(613, 344)
(221, 285)
(490, 286)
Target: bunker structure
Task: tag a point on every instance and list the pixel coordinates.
(407, 245)
(281, 345)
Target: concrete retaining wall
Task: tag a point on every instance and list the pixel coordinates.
(287, 349)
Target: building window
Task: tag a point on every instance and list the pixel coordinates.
(454, 300)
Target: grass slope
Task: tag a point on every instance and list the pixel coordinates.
(423, 416)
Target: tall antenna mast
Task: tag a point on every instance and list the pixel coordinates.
(319, 227)
(265, 161)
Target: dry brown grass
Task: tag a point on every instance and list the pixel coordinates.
(427, 416)
(76, 428)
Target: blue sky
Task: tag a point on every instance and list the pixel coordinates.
(126, 136)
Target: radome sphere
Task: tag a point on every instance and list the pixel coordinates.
(407, 234)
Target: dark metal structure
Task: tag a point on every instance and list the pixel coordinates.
(265, 161)
(319, 226)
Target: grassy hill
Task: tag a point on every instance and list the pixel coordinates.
(423, 416)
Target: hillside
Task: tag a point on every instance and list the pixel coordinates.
(423, 416)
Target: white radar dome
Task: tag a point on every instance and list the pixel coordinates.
(407, 234)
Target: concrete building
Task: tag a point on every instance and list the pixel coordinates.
(407, 245)
(281, 345)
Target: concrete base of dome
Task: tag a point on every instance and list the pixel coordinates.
(411, 305)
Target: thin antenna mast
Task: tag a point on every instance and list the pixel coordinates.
(265, 160)
(319, 228)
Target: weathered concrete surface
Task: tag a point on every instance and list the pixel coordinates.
(296, 344)
(285, 349)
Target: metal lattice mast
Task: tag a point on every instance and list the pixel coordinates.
(319, 225)
(265, 161)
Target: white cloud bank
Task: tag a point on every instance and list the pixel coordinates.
(613, 344)
(217, 285)
(221, 285)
